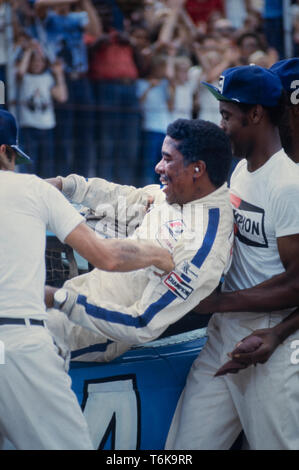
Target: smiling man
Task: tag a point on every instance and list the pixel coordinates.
(190, 216)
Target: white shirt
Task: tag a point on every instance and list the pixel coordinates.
(28, 206)
(36, 103)
(154, 108)
(265, 205)
(183, 100)
(208, 106)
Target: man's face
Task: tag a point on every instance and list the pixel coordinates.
(249, 46)
(236, 126)
(177, 178)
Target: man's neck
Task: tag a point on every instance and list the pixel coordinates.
(266, 145)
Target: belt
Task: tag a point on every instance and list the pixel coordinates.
(20, 321)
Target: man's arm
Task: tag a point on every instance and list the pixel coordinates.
(117, 255)
(94, 191)
(94, 26)
(279, 292)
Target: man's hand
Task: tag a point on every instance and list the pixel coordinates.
(269, 340)
(150, 201)
(57, 182)
(248, 346)
(164, 260)
(49, 296)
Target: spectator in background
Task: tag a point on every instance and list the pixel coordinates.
(142, 48)
(213, 57)
(113, 72)
(273, 25)
(185, 89)
(65, 25)
(223, 27)
(155, 97)
(40, 85)
(250, 43)
(208, 109)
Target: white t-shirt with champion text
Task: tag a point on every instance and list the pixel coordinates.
(29, 206)
(266, 206)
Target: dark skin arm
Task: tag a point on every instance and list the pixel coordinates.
(279, 292)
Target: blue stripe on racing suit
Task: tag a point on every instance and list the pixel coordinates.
(99, 347)
(153, 309)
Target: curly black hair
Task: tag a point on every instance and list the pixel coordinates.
(203, 140)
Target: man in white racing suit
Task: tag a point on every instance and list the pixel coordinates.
(191, 216)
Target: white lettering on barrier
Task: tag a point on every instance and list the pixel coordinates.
(112, 408)
(295, 354)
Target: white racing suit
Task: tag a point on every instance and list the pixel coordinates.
(110, 312)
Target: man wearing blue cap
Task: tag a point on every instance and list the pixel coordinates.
(38, 409)
(288, 72)
(261, 287)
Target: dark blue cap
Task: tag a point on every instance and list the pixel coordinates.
(288, 72)
(248, 84)
(9, 135)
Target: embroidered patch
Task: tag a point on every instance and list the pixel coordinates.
(180, 288)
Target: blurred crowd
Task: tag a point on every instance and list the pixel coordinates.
(94, 83)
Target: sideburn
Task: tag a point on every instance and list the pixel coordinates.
(244, 121)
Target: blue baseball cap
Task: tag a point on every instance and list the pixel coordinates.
(248, 84)
(9, 135)
(288, 72)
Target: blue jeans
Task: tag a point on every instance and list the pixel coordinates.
(151, 145)
(39, 145)
(74, 130)
(117, 130)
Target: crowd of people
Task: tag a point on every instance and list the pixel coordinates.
(94, 81)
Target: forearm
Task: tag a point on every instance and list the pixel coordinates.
(95, 25)
(22, 68)
(129, 255)
(167, 30)
(277, 293)
(190, 26)
(59, 91)
(117, 255)
(94, 191)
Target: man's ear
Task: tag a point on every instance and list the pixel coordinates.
(256, 113)
(7, 160)
(199, 169)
